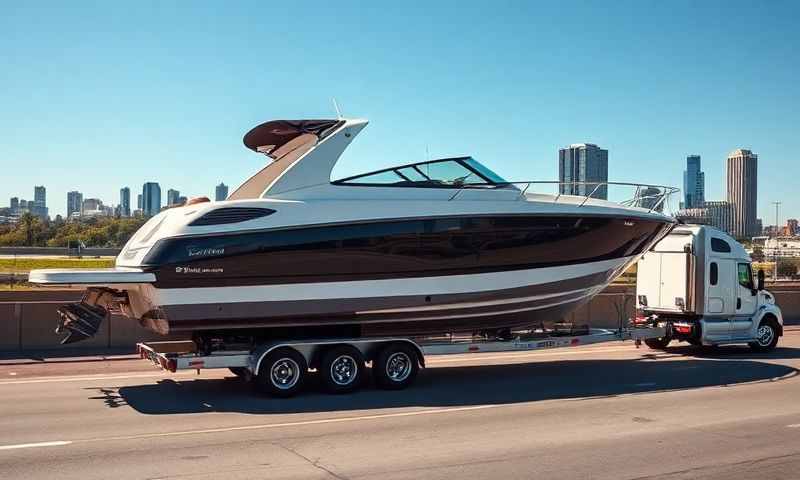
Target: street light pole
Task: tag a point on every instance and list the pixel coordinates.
(775, 250)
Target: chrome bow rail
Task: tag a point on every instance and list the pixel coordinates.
(650, 197)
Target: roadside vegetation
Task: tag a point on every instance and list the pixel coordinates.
(26, 264)
(32, 231)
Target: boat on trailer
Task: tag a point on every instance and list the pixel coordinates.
(440, 246)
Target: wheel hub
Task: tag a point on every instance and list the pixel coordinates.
(765, 335)
(398, 366)
(344, 370)
(285, 373)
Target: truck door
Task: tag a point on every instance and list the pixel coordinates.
(746, 302)
(720, 299)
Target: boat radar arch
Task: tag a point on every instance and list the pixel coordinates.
(302, 153)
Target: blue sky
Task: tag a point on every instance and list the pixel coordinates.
(96, 96)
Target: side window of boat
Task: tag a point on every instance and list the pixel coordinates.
(412, 174)
(381, 178)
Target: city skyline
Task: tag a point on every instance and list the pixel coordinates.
(76, 202)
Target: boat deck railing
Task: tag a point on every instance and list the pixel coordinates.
(650, 197)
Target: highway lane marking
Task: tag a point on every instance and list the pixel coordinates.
(57, 443)
(322, 421)
(466, 357)
(90, 378)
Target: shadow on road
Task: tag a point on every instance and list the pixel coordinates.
(453, 386)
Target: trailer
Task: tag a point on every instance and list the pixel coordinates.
(280, 367)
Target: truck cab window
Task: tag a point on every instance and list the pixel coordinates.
(714, 273)
(745, 274)
(719, 245)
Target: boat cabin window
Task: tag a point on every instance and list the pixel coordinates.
(446, 173)
(719, 245)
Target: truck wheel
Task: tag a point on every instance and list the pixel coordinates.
(342, 369)
(766, 336)
(396, 366)
(282, 372)
(658, 343)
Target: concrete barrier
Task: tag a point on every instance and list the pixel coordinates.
(28, 318)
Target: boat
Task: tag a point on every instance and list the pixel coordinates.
(426, 248)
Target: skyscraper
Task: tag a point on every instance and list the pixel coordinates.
(139, 201)
(74, 204)
(173, 197)
(14, 204)
(743, 192)
(151, 198)
(221, 192)
(39, 201)
(694, 185)
(583, 163)
(124, 202)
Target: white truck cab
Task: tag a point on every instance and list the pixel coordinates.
(698, 282)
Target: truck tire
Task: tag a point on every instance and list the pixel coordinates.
(767, 336)
(658, 343)
(342, 369)
(396, 366)
(282, 373)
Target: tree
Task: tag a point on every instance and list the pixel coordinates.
(27, 221)
(758, 254)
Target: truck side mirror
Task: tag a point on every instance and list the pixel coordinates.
(760, 279)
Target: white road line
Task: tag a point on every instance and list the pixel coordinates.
(322, 421)
(794, 425)
(466, 357)
(57, 443)
(89, 378)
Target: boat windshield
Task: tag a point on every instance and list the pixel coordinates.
(445, 173)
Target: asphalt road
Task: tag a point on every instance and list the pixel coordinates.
(603, 412)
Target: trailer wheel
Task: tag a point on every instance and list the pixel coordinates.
(766, 336)
(342, 369)
(396, 366)
(282, 372)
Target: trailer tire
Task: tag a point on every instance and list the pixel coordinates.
(282, 372)
(396, 366)
(768, 333)
(342, 369)
(658, 343)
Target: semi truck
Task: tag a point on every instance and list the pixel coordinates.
(698, 284)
